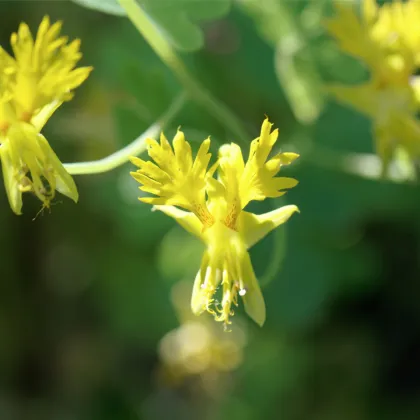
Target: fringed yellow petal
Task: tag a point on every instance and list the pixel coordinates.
(45, 68)
(258, 178)
(231, 168)
(352, 36)
(183, 154)
(241, 183)
(174, 177)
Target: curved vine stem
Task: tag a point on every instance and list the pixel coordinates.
(135, 148)
(195, 89)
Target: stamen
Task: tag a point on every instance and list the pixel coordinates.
(225, 277)
(207, 278)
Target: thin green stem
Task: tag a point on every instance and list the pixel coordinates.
(135, 148)
(196, 90)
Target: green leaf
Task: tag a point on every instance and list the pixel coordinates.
(300, 81)
(179, 255)
(178, 19)
(111, 7)
(296, 69)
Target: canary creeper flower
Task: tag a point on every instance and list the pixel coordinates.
(213, 210)
(387, 40)
(33, 84)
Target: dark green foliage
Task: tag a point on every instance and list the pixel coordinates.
(85, 290)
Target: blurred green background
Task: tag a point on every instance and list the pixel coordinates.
(94, 322)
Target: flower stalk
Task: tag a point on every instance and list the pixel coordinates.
(195, 89)
(135, 148)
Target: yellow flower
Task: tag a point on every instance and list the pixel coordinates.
(387, 40)
(215, 212)
(43, 70)
(33, 84)
(30, 165)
